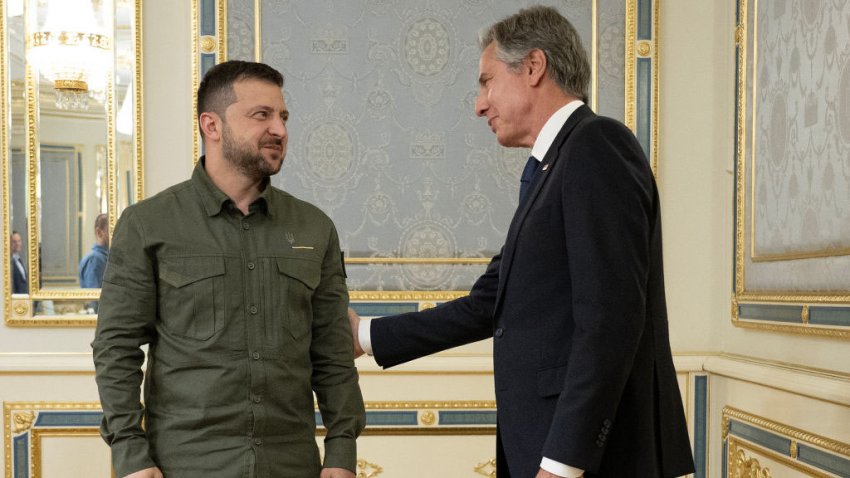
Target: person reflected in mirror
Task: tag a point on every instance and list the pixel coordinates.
(574, 303)
(20, 285)
(238, 288)
(90, 272)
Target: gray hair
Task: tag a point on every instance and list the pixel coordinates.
(545, 29)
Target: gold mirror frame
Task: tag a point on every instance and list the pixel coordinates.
(19, 309)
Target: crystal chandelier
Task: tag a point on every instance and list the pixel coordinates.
(71, 51)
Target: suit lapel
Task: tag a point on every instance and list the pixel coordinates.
(546, 168)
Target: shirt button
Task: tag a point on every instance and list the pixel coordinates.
(252, 309)
(246, 226)
(499, 332)
(251, 266)
(256, 355)
(257, 399)
(258, 441)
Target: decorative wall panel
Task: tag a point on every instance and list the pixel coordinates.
(792, 266)
(760, 448)
(383, 135)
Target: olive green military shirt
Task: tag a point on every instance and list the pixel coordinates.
(244, 317)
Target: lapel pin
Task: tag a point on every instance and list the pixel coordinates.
(545, 166)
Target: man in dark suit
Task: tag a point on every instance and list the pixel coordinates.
(19, 272)
(584, 376)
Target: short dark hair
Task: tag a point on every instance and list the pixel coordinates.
(544, 28)
(215, 93)
(101, 221)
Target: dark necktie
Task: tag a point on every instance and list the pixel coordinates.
(527, 177)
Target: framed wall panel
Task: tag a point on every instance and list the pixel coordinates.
(757, 447)
(792, 208)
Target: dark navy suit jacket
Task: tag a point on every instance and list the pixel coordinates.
(19, 282)
(575, 305)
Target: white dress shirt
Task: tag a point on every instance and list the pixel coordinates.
(541, 147)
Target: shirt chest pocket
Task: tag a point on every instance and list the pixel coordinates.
(192, 296)
(292, 304)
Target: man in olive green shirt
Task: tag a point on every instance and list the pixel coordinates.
(238, 289)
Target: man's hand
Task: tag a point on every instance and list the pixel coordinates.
(545, 474)
(354, 320)
(152, 472)
(336, 472)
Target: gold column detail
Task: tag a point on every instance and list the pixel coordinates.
(368, 470)
(208, 44)
(488, 468)
(21, 308)
(644, 48)
(805, 314)
(427, 418)
(23, 420)
(794, 449)
(724, 428)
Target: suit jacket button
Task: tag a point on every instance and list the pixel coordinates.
(499, 332)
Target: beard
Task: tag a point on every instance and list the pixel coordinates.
(247, 159)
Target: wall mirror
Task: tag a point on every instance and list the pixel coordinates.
(71, 149)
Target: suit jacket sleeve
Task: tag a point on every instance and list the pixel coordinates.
(607, 192)
(401, 338)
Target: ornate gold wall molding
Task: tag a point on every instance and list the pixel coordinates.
(743, 431)
(740, 465)
(488, 468)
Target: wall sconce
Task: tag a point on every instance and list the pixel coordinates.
(72, 51)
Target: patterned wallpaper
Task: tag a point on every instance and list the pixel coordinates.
(802, 164)
(797, 229)
(383, 135)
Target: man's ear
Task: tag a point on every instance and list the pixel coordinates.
(534, 66)
(211, 125)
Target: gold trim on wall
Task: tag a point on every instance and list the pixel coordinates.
(629, 41)
(37, 435)
(739, 464)
(594, 57)
(419, 260)
(29, 410)
(410, 295)
(635, 48)
(801, 436)
(4, 171)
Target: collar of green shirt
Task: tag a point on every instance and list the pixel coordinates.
(215, 200)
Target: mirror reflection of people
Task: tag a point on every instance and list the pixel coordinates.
(574, 302)
(238, 288)
(20, 284)
(90, 272)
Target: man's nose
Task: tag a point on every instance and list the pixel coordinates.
(278, 128)
(481, 105)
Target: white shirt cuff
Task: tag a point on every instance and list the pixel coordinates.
(560, 469)
(364, 334)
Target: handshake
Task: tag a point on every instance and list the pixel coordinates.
(354, 320)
